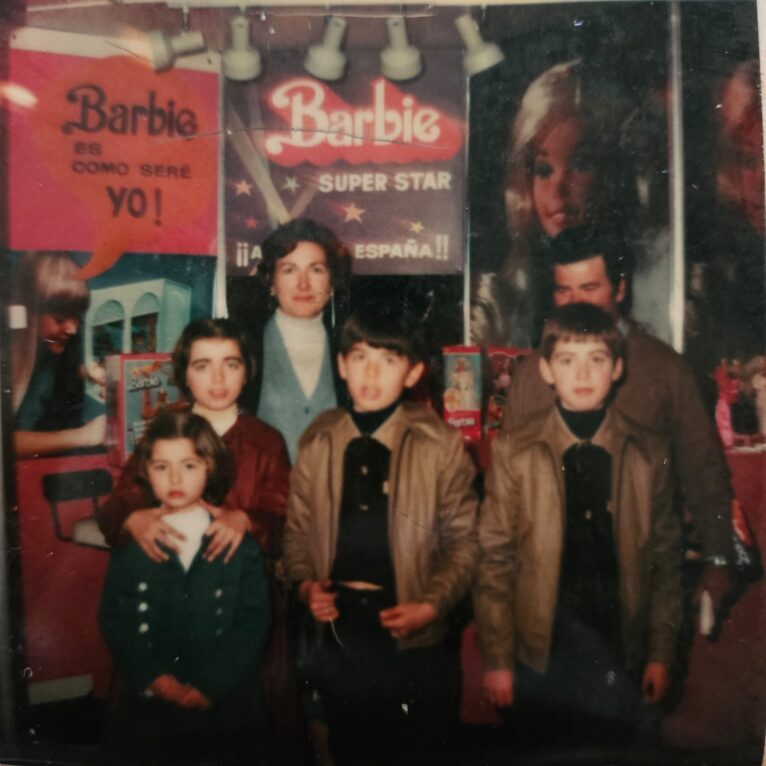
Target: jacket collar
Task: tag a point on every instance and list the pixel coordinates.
(551, 432)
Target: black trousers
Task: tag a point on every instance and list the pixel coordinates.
(150, 730)
(385, 705)
(585, 698)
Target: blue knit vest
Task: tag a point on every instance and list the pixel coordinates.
(282, 402)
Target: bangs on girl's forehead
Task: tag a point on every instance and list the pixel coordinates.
(72, 304)
(59, 290)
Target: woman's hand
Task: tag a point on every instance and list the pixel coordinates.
(93, 432)
(37, 443)
(403, 619)
(148, 529)
(316, 594)
(226, 532)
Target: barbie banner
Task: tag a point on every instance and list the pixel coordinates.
(382, 164)
(108, 156)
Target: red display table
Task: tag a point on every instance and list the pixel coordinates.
(724, 701)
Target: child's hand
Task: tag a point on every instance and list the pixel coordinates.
(168, 688)
(498, 686)
(403, 619)
(226, 530)
(656, 681)
(320, 599)
(148, 529)
(194, 699)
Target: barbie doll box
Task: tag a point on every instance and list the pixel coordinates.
(462, 390)
(137, 387)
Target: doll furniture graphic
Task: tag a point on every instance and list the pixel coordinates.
(62, 488)
(134, 318)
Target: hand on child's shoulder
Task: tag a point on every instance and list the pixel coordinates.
(226, 532)
(152, 534)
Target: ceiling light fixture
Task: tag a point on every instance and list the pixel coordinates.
(479, 55)
(400, 61)
(241, 62)
(166, 49)
(326, 60)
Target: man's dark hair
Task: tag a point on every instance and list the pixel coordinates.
(199, 329)
(581, 322)
(382, 322)
(184, 424)
(579, 244)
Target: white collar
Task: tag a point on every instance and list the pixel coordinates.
(297, 326)
(192, 524)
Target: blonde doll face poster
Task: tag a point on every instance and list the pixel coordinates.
(138, 200)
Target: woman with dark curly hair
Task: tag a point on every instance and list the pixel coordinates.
(303, 263)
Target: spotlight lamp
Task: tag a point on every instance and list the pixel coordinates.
(241, 62)
(164, 49)
(326, 61)
(400, 61)
(479, 55)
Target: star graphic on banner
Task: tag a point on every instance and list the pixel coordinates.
(353, 213)
(416, 227)
(291, 184)
(251, 222)
(243, 187)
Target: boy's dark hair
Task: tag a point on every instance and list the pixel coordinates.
(383, 323)
(184, 424)
(581, 322)
(581, 243)
(283, 240)
(225, 329)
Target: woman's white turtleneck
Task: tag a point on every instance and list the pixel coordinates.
(305, 342)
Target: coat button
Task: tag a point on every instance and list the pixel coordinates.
(219, 611)
(218, 593)
(142, 586)
(143, 627)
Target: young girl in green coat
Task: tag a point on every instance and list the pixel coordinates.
(187, 633)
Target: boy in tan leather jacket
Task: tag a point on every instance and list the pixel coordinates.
(578, 595)
(381, 544)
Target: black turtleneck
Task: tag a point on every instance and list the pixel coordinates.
(589, 571)
(369, 422)
(362, 551)
(583, 424)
